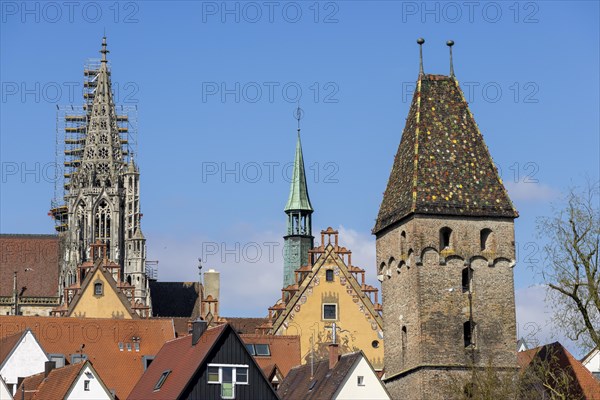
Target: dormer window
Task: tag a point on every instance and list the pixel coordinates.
(162, 379)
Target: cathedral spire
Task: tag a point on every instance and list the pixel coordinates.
(103, 153)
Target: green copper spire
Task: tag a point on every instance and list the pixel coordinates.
(298, 240)
(298, 199)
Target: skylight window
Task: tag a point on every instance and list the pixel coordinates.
(162, 379)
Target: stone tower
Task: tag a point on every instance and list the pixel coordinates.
(102, 196)
(445, 249)
(299, 239)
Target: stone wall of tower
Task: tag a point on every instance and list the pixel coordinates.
(425, 306)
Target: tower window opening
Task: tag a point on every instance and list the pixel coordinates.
(469, 333)
(404, 342)
(485, 239)
(467, 279)
(445, 235)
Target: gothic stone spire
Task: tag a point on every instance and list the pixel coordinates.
(103, 154)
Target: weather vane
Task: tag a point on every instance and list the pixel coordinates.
(298, 115)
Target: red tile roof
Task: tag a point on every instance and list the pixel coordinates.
(182, 359)
(120, 370)
(245, 325)
(285, 351)
(40, 253)
(55, 386)
(324, 383)
(583, 380)
(7, 344)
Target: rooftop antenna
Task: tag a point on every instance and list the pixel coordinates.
(420, 41)
(450, 43)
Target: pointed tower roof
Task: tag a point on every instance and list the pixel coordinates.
(443, 166)
(298, 199)
(103, 153)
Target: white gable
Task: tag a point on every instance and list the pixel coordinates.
(4, 393)
(370, 386)
(27, 359)
(592, 361)
(95, 388)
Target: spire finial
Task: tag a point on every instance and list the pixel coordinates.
(104, 50)
(420, 41)
(450, 43)
(298, 114)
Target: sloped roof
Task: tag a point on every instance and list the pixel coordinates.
(443, 166)
(120, 370)
(583, 380)
(86, 285)
(243, 325)
(8, 344)
(40, 254)
(182, 359)
(285, 351)
(175, 299)
(328, 253)
(55, 386)
(299, 385)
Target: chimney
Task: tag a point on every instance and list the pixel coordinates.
(333, 355)
(198, 328)
(48, 367)
(212, 286)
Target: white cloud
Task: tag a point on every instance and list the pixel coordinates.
(526, 191)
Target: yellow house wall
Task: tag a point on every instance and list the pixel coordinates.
(358, 328)
(106, 306)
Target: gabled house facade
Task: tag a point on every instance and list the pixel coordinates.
(21, 355)
(119, 349)
(211, 363)
(346, 377)
(330, 293)
(592, 362)
(74, 382)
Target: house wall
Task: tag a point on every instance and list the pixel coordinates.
(229, 350)
(358, 328)
(106, 306)
(96, 392)
(371, 389)
(27, 359)
(4, 393)
(593, 363)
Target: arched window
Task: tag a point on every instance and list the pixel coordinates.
(403, 242)
(485, 237)
(102, 224)
(469, 329)
(445, 236)
(467, 279)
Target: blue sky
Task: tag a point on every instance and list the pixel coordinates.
(216, 85)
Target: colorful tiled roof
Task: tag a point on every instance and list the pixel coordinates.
(583, 382)
(299, 385)
(35, 258)
(285, 351)
(119, 369)
(442, 166)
